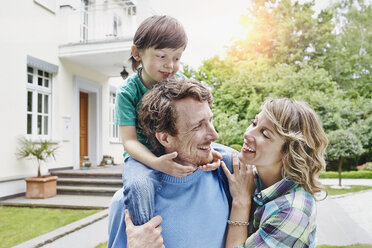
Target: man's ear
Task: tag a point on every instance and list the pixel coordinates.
(136, 53)
(163, 138)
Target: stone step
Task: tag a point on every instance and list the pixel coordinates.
(86, 174)
(73, 190)
(92, 182)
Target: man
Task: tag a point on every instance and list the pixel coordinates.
(176, 117)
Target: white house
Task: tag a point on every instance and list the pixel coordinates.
(60, 62)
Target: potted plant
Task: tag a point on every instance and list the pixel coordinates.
(86, 164)
(40, 186)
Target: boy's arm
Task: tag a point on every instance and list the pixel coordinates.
(141, 153)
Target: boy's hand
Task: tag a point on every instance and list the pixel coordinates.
(167, 165)
(214, 164)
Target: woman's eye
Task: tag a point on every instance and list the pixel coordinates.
(253, 122)
(265, 135)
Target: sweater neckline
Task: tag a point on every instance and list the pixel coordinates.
(171, 179)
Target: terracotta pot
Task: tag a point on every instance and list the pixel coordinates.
(41, 187)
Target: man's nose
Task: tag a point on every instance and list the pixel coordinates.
(212, 133)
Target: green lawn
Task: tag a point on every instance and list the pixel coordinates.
(18, 225)
(353, 188)
(102, 245)
(351, 246)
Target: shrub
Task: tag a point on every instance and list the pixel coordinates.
(236, 147)
(365, 167)
(347, 174)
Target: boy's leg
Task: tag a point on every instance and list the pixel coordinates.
(139, 183)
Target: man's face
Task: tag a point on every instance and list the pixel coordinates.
(195, 132)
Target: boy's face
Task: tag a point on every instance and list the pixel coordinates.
(158, 64)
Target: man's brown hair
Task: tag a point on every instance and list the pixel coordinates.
(158, 113)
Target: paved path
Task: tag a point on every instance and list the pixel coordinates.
(347, 219)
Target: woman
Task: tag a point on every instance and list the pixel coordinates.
(286, 144)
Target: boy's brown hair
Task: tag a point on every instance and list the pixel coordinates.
(158, 32)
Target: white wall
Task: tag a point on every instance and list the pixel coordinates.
(30, 29)
(26, 29)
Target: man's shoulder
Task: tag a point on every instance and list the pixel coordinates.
(224, 150)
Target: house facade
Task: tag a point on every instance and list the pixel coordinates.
(60, 66)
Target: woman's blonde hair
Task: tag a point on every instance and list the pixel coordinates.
(305, 141)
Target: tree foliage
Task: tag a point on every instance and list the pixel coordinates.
(291, 51)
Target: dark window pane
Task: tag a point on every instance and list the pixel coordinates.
(46, 83)
(29, 124)
(39, 72)
(30, 69)
(39, 119)
(46, 104)
(39, 103)
(29, 79)
(29, 101)
(40, 81)
(46, 74)
(45, 125)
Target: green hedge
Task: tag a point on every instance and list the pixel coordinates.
(346, 174)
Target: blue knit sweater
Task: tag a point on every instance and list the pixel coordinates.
(194, 209)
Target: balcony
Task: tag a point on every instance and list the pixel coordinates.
(98, 37)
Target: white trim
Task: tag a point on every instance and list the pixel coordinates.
(94, 119)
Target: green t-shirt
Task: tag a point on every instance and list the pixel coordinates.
(128, 99)
(127, 105)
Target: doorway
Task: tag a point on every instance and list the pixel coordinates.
(88, 121)
(84, 107)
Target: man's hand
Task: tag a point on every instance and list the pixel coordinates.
(167, 165)
(214, 164)
(147, 235)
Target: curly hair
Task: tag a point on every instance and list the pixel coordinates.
(305, 141)
(157, 112)
(159, 32)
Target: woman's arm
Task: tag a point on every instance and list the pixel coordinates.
(241, 184)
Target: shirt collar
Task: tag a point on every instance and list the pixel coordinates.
(262, 196)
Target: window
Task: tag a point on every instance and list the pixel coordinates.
(39, 98)
(114, 129)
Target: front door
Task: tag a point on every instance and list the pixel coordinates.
(83, 125)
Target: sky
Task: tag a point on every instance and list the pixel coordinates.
(209, 24)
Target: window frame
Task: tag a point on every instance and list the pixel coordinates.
(39, 110)
(114, 135)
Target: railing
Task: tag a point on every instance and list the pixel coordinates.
(96, 24)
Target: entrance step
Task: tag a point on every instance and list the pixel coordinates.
(75, 190)
(94, 181)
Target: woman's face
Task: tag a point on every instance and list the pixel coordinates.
(262, 144)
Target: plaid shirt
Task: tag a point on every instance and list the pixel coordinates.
(284, 217)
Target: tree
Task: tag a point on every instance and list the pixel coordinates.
(350, 56)
(343, 144)
(283, 31)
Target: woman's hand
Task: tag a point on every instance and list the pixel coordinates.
(241, 182)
